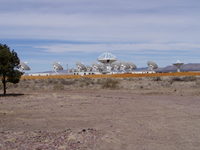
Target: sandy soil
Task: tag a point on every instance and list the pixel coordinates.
(101, 119)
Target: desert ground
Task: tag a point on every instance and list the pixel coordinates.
(102, 114)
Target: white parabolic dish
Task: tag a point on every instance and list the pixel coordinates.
(107, 58)
(57, 66)
(152, 65)
(178, 63)
(24, 66)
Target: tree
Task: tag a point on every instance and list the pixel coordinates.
(9, 63)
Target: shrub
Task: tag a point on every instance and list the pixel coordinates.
(58, 87)
(67, 81)
(184, 79)
(51, 81)
(156, 79)
(99, 81)
(129, 79)
(189, 78)
(110, 83)
(176, 79)
(197, 83)
(85, 82)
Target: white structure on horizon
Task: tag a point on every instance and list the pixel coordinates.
(81, 67)
(152, 66)
(107, 59)
(57, 67)
(24, 67)
(178, 65)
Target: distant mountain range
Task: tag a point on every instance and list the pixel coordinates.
(185, 67)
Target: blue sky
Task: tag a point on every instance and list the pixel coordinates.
(45, 31)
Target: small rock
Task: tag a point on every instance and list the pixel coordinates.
(83, 130)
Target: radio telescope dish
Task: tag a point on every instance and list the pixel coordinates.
(97, 67)
(123, 66)
(57, 67)
(24, 67)
(116, 66)
(152, 65)
(88, 68)
(178, 65)
(107, 58)
(132, 66)
(81, 67)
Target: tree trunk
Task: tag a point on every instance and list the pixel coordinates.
(4, 85)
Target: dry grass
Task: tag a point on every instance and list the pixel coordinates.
(113, 75)
(126, 81)
(110, 84)
(140, 83)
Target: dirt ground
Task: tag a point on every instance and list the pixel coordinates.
(102, 119)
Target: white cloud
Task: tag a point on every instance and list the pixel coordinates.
(93, 27)
(93, 20)
(60, 48)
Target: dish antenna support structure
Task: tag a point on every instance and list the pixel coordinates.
(81, 67)
(24, 67)
(178, 65)
(97, 67)
(107, 59)
(57, 67)
(152, 65)
(132, 66)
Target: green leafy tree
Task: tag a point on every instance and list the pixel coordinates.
(9, 63)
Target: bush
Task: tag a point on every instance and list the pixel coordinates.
(176, 79)
(197, 83)
(67, 82)
(99, 81)
(110, 83)
(85, 82)
(189, 78)
(51, 81)
(156, 79)
(58, 87)
(129, 79)
(184, 79)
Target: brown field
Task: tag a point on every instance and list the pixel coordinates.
(150, 113)
(127, 75)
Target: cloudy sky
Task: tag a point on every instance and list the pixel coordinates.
(45, 31)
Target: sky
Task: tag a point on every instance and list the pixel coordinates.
(67, 31)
